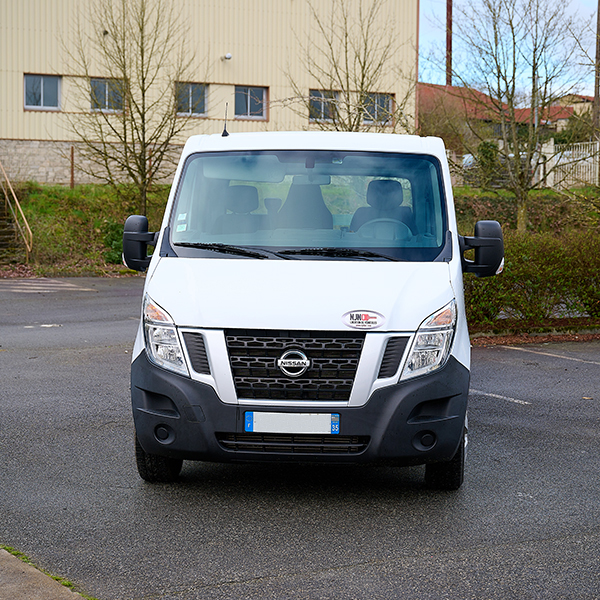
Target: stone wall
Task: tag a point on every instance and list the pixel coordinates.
(50, 162)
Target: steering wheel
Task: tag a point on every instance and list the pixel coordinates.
(385, 229)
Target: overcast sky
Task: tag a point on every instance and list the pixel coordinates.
(432, 33)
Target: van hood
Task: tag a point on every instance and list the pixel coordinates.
(299, 294)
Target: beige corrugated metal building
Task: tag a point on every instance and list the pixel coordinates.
(251, 47)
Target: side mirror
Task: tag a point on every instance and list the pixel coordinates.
(488, 243)
(136, 238)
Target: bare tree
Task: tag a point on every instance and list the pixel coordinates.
(349, 60)
(523, 57)
(130, 58)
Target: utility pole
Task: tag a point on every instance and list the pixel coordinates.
(596, 105)
(449, 42)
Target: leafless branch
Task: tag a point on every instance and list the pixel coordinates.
(139, 47)
(349, 59)
(519, 58)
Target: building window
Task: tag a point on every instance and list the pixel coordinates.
(107, 94)
(322, 105)
(42, 92)
(378, 108)
(250, 102)
(191, 98)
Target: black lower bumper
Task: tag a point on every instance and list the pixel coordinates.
(413, 422)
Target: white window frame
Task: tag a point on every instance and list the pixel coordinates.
(42, 106)
(326, 101)
(373, 101)
(106, 108)
(189, 86)
(248, 114)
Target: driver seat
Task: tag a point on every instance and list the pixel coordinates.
(384, 197)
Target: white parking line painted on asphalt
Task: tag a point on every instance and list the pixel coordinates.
(581, 360)
(40, 286)
(498, 397)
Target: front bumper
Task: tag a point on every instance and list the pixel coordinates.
(413, 422)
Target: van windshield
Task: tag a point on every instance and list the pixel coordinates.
(310, 204)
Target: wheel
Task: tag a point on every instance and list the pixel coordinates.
(448, 475)
(154, 468)
(385, 229)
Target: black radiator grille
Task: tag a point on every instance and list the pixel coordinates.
(293, 444)
(334, 359)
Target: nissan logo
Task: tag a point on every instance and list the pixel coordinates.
(293, 363)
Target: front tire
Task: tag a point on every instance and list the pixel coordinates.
(447, 476)
(154, 468)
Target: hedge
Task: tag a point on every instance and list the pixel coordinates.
(545, 276)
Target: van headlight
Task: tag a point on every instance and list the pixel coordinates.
(162, 342)
(431, 345)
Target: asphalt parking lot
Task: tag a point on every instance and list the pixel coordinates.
(524, 525)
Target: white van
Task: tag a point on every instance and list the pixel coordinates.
(304, 302)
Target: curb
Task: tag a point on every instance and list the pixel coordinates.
(517, 339)
(22, 581)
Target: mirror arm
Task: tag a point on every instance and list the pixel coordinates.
(468, 243)
(150, 237)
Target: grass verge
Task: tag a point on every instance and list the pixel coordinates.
(77, 232)
(63, 581)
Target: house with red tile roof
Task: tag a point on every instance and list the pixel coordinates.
(445, 103)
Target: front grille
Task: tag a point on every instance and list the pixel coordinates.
(334, 359)
(293, 444)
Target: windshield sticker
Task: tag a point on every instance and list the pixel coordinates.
(181, 227)
(363, 319)
(182, 217)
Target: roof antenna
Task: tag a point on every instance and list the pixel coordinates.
(225, 132)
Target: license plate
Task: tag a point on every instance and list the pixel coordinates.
(263, 422)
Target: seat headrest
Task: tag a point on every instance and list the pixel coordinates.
(242, 199)
(384, 194)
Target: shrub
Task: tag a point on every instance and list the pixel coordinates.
(536, 280)
(584, 270)
(484, 299)
(548, 211)
(113, 240)
(545, 276)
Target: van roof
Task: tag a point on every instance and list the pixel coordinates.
(316, 140)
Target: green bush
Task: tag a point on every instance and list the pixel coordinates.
(548, 211)
(536, 279)
(545, 277)
(113, 240)
(584, 270)
(484, 298)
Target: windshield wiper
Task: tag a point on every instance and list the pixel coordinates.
(338, 252)
(229, 249)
